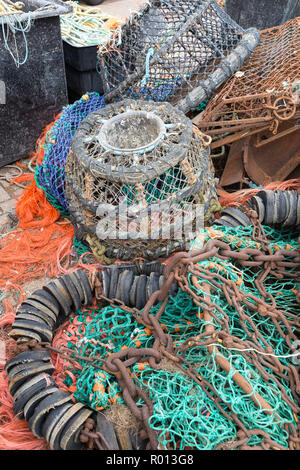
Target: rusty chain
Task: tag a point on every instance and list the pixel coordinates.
(179, 267)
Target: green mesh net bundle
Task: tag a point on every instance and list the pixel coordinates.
(197, 402)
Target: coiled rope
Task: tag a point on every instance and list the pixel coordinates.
(87, 26)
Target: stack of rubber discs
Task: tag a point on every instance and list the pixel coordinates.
(148, 157)
(272, 208)
(134, 290)
(49, 412)
(277, 207)
(39, 314)
(232, 217)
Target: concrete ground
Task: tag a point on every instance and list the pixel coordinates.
(118, 8)
(9, 193)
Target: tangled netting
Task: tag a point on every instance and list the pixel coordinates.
(168, 49)
(233, 382)
(50, 175)
(265, 91)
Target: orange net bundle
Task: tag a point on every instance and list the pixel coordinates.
(41, 240)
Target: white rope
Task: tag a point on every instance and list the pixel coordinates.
(87, 26)
(9, 8)
(251, 349)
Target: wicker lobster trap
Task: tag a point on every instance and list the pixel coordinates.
(263, 95)
(136, 177)
(176, 51)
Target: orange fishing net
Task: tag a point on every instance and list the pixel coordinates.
(41, 242)
(40, 245)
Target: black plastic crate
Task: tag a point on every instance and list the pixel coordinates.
(262, 14)
(33, 93)
(82, 59)
(82, 82)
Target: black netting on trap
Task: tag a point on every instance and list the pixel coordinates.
(174, 50)
(118, 178)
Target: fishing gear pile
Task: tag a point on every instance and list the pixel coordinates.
(202, 45)
(210, 364)
(194, 351)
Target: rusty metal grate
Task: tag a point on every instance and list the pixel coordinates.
(264, 93)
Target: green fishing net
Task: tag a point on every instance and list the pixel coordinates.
(199, 415)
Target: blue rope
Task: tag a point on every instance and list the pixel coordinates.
(15, 25)
(150, 53)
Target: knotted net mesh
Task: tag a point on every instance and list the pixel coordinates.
(231, 380)
(167, 48)
(50, 175)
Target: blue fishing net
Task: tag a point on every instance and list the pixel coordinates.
(50, 175)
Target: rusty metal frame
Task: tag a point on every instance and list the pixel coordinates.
(248, 100)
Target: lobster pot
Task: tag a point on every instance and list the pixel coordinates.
(178, 51)
(135, 169)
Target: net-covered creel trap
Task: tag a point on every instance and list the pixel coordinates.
(145, 158)
(263, 94)
(176, 51)
(214, 365)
